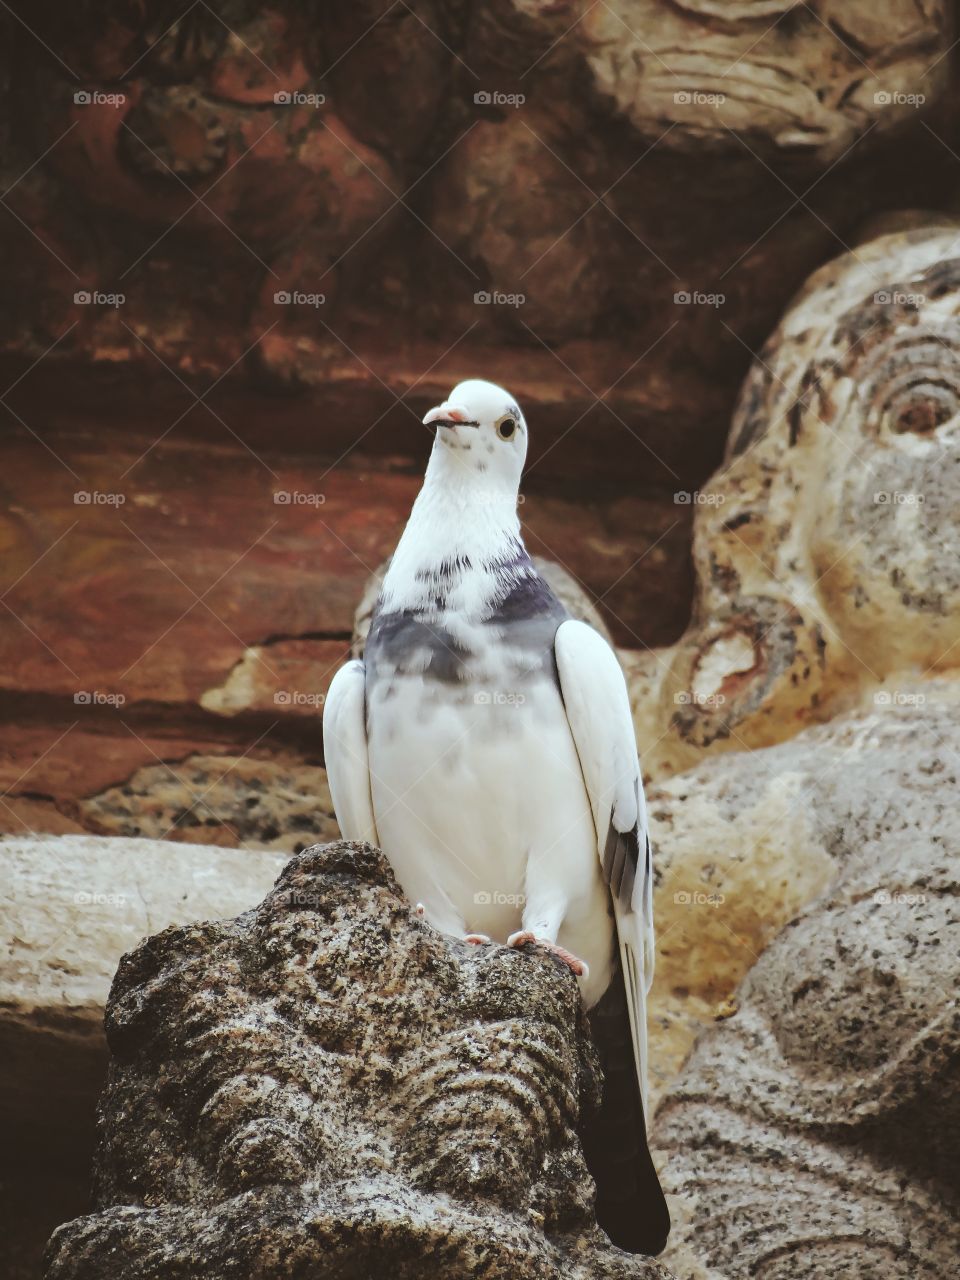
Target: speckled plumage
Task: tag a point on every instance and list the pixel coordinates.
(462, 696)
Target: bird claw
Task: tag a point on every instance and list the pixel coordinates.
(476, 939)
(419, 909)
(574, 963)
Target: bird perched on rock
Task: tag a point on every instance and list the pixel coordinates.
(485, 744)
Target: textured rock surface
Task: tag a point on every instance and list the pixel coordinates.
(278, 804)
(826, 546)
(387, 199)
(746, 841)
(814, 1132)
(790, 77)
(326, 1086)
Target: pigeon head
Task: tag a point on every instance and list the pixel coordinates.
(480, 432)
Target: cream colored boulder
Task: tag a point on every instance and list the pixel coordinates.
(73, 905)
(813, 1132)
(746, 841)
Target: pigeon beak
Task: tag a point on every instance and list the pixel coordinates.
(449, 415)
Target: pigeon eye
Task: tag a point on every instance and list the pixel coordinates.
(507, 428)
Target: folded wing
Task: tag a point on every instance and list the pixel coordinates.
(598, 711)
(345, 754)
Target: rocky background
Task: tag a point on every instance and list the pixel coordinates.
(243, 249)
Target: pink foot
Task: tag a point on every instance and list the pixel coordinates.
(477, 939)
(525, 937)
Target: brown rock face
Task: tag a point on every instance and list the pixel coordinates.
(325, 1086)
(594, 161)
(244, 250)
(166, 601)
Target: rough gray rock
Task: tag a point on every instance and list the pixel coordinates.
(815, 1129)
(326, 1086)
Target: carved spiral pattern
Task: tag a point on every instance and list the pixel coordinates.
(910, 380)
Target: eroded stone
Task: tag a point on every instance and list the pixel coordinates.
(327, 1086)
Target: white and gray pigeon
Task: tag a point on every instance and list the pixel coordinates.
(485, 743)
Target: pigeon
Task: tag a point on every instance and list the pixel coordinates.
(485, 743)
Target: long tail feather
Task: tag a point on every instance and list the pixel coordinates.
(630, 1203)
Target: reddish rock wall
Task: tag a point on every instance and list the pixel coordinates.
(171, 179)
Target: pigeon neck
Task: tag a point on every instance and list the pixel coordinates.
(458, 536)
